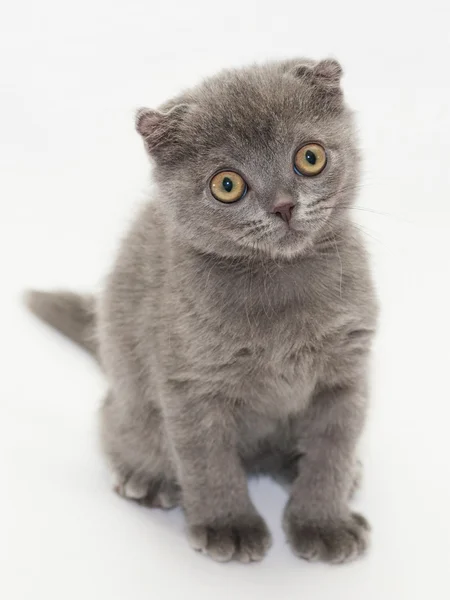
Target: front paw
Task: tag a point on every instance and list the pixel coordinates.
(245, 539)
(334, 541)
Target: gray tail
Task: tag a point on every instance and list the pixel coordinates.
(71, 314)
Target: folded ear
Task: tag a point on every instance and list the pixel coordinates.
(326, 73)
(329, 72)
(159, 128)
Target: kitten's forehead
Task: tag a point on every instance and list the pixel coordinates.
(262, 107)
(261, 110)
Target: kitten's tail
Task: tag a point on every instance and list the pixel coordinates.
(71, 314)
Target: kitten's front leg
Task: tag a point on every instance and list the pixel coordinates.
(222, 521)
(318, 521)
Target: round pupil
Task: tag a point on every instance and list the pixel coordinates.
(311, 157)
(227, 184)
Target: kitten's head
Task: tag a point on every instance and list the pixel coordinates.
(257, 160)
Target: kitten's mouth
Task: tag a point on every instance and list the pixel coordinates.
(290, 228)
(291, 237)
(288, 237)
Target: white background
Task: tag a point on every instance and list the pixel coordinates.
(73, 171)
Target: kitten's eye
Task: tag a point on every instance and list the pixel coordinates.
(310, 160)
(228, 186)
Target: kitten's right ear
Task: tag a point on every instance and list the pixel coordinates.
(159, 128)
(326, 73)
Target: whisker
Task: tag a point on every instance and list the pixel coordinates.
(335, 194)
(363, 209)
(262, 228)
(363, 230)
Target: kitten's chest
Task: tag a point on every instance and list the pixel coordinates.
(261, 344)
(276, 369)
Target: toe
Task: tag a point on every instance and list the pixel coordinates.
(245, 542)
(221, 544)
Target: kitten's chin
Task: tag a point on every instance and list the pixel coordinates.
(291, 246)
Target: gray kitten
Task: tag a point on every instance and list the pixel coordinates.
(236, 324)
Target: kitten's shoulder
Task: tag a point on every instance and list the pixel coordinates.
(141, 255)
(148, 230)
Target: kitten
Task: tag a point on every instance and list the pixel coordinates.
(236, 324)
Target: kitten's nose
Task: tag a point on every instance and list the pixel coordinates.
(283, 209)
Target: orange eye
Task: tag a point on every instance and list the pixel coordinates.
(228, 186)
(310, 160)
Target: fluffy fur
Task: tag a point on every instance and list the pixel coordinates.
(232, 342)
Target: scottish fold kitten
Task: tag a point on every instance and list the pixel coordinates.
(236, 324)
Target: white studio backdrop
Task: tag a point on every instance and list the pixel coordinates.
(73, 171)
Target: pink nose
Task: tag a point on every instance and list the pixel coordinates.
(283, 210)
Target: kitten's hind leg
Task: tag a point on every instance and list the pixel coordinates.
(138, 455)
(133, 487)
(163, 493)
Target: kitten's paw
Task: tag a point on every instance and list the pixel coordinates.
(246, 539)
(154, 493)
(162, 494)
(337, 541)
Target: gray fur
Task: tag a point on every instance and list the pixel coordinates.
(71, 314)
(233, 345)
